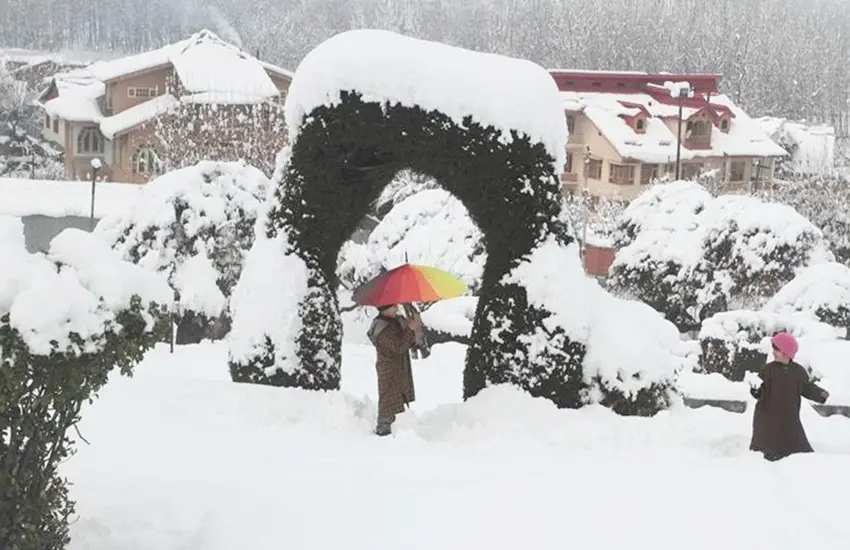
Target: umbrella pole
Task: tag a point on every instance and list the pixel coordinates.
(421, 349)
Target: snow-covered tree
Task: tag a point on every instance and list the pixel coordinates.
(195, 225)
(191, 132)
(823, 200)
(690, 255)
(430, 227)
(67, 319)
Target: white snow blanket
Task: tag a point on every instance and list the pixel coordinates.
(388, 68)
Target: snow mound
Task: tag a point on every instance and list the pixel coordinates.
(78, 287)
(388, 68)
(630, 347)
(822, 290)
(193, 224)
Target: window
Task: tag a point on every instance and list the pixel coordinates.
(698, 128)
(146, 161)
(737, 169)
(594, 169)
(621, 174)
(142, 93)
(640, 124)
(56, 125)
(568, 167)
(47, 121)
(571, 124)
(724, 124)
(89, 141)
(648, 172)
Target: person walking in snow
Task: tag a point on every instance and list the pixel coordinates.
(777, 429)
(393, 336)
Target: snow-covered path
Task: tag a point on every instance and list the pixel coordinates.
(180, 458)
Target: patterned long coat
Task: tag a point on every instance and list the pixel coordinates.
(777, 429)
(395, 376)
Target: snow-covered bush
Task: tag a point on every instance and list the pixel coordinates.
(690, 255)
(194, 225)
(736, 342)
(822, 291)
(430, 227)
(67, 319)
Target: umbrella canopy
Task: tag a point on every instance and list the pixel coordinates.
(407, 284)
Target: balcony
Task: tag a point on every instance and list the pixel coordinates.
(697, 142)
(568, 177)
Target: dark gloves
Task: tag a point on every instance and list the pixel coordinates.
(755, 391)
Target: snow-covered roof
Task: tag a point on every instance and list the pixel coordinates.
(203, 63)
(658, 143)
(78, 92)
(132, 117)
(385, 67)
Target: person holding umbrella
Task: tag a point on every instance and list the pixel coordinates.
(777, 429)
(393, 336)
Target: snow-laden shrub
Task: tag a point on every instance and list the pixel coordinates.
(822, 291)
(626, 354)
(67, 319)
(690, 255)
(736, 342)
(429, 227)
(194, 225)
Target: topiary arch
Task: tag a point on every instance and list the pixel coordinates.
(344, 157)
(345, 151)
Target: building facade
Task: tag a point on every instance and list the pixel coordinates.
(626, 130)
(159, 110)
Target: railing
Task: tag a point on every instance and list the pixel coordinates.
(568, 177)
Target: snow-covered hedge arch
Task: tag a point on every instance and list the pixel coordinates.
(364, 106)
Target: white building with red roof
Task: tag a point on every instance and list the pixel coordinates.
(623, 132)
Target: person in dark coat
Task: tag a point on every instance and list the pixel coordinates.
(777, 429)
(393, 336)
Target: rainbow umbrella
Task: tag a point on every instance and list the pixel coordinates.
(407, 284)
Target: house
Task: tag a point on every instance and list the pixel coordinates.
(623, 131)
(146, 113)
(811, 147)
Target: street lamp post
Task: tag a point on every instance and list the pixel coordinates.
(96, 165)
(683, 94)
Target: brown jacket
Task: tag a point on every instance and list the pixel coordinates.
(777, 430)
(395, 377)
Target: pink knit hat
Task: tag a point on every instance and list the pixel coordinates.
(786, 343)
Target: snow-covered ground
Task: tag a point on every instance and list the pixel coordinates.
(181, 458)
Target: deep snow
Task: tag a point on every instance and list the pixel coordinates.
(181, 458)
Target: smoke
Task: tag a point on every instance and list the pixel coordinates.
(222, 26)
